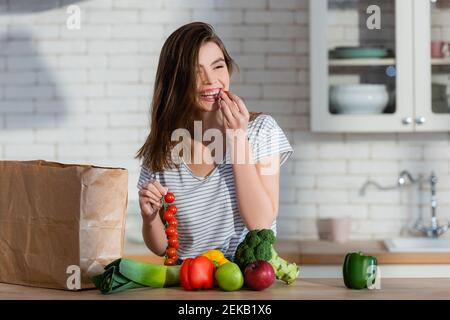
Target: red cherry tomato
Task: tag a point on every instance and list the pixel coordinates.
(169, 197)
(172, 208)
(171, 252)
(173, 222)
(167, 216)
(173, 242)
(171, 231)
(170, 261)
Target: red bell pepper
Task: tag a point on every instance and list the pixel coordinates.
(197, 273)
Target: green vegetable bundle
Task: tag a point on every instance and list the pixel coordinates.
(124, 274)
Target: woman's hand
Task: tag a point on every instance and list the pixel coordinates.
(234, 111)
(150, 199)
(235, 119)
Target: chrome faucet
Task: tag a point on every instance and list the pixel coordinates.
(433, 230)
(405, 174)
(401, 181)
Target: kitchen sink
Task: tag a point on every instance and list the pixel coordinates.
(417, 245)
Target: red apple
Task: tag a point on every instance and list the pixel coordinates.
(259, 275)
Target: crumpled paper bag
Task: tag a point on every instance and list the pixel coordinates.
(59, 223)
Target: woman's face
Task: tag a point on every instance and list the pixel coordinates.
(212, 75)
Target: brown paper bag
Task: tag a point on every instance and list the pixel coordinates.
(59, 224)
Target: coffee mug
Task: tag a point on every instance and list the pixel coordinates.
(334, 229)
(440, 49)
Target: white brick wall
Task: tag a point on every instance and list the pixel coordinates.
(83, 96)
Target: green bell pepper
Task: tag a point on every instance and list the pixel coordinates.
(359, 270)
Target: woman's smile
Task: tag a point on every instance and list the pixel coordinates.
(210, 95)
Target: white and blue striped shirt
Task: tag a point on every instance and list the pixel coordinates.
(208, 214)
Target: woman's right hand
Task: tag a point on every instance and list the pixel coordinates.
(150, 198)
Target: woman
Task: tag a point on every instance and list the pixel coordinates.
(218, 199)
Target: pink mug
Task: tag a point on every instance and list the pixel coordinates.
(334, 229)
(439, 49)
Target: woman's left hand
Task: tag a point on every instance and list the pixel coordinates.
(234, 111)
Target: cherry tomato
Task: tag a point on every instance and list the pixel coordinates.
(173, 223)
(167, 216)
(169, 197)
(170, 261)
(172, 208)
(171, 231)
(173, 242)
(171, 252)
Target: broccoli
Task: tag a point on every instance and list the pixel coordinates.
(258, 245)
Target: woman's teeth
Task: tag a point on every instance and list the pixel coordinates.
(211, 97)
(213, 94)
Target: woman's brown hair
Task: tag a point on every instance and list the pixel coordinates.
(174, 97)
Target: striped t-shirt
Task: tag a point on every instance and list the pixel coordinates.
(208, 214)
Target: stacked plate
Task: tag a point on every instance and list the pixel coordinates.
(360, 52)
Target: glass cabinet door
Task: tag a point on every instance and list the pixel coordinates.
(361, 57)
(432, 65)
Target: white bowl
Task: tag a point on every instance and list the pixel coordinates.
(359, 98)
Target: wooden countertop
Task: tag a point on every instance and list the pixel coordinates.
(302, 289)
(322, 253)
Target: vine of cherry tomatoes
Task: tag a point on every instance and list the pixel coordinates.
(171, 223)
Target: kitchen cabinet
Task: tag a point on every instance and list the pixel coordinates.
(432, 74)
(372, 68)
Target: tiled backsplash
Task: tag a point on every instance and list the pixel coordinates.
(83, 96)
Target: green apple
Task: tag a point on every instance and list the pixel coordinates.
(229, 277)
